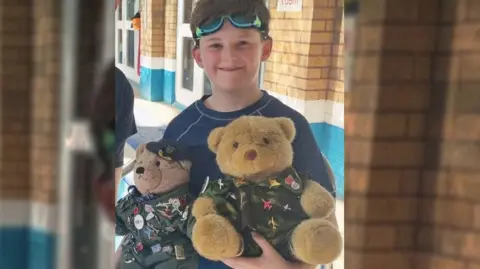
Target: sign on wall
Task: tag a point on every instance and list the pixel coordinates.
(289, 5)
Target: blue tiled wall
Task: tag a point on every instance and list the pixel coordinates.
(330, 139)
(157, 85)
(25, 248)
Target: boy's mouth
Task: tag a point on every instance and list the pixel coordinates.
(230, 69)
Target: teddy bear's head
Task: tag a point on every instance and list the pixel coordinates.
(253, 146)
(160, 167)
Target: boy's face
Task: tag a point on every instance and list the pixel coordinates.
(231, 57)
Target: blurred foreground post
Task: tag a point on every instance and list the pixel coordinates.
(78, 211)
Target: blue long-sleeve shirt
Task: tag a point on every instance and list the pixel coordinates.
(193, 125)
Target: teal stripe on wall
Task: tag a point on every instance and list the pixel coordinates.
(157, 85)
(26, 248)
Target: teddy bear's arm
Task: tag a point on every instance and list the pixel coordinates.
(316, 201)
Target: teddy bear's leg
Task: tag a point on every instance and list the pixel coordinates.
(316, 241)
(215, 238)
(316, 201)
(203, 206)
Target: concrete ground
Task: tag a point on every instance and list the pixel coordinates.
(150, 114)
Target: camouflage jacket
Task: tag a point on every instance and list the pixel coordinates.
(270, 207)
(155, 226)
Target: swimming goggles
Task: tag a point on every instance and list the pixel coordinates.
(239, 21)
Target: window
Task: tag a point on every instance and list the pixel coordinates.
(188, 64)
(120, 46)
(131, 48)
(127, 39)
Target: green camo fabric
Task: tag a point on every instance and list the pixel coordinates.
(270, 207)
(156, 230)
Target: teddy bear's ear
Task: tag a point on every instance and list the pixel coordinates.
(214, 138)
(140, 149)
(288, 127)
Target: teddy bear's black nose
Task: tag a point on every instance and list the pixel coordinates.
(140, 170)
(251, 155)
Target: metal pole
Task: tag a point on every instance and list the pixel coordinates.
(68, 86)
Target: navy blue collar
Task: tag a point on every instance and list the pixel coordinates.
(252, 109)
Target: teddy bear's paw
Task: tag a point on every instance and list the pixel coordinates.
(203, 206)
(316, 241)
(215, 238)
(316, 201)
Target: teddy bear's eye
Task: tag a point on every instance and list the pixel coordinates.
(266, 141)
(235, 145)
(157, 163)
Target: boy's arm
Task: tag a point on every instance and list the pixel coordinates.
(120, 227)
(308, 158)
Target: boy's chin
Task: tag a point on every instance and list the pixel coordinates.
(233, 87)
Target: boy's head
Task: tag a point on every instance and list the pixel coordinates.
(231, 41)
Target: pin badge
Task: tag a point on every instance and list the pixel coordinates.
(185, 214)
(156, 248)
(167, 249)
(179, 252)
(139, 222)
(148, 208)
(295, 185)
(150, 216)
(139, 247)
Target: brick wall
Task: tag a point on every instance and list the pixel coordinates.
(45, 96)
(153, 28)
(413, 195)
(15, 108)
(307, 62)
(171, 29)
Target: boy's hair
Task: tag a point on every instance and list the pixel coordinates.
(206, 10)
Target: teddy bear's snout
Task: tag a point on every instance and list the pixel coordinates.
(140, 170)
(251, 155)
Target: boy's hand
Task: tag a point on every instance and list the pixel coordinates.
(269, 259)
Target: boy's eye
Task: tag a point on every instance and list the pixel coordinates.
(215, 46)
(243, 43)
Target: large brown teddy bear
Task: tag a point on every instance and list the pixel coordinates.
(154, 215)
(262, 192)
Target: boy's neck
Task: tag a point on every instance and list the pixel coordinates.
(233, 101)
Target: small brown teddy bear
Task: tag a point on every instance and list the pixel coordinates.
(262, 192)
(154, 215)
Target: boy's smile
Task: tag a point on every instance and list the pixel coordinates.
(231, 57)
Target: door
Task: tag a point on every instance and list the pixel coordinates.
(190, 79)
(126, 45)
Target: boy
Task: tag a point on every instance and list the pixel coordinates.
(231, 41)
(124, 120)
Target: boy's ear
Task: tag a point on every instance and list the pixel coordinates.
(267, 49)
(196, 55)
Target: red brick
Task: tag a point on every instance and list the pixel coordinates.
(446, 212)
(471, 246)
(473, 265)
(438, 262)
(470, 66)
(436, 183)
(476, 217)
(383, 260)
(465, 185)
(391, 209)
(355, 208)
(405, 236)
(397, 154)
